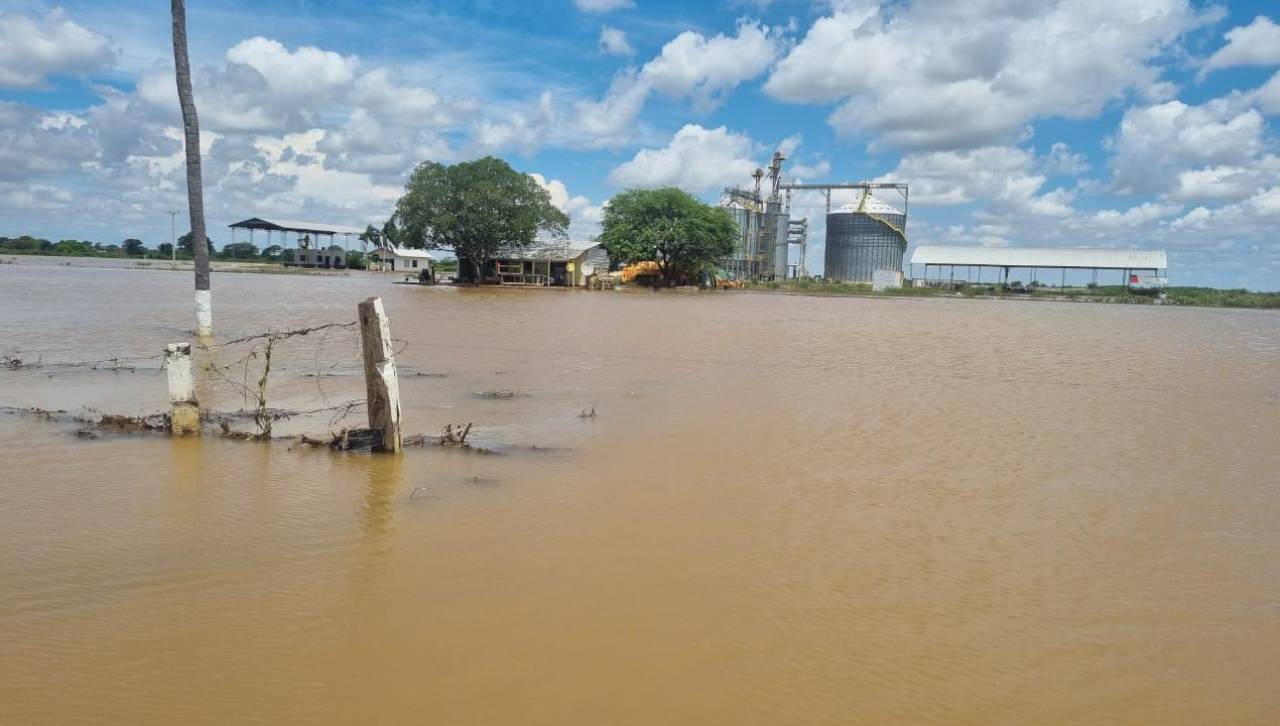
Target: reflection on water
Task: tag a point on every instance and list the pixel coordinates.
(788, 510)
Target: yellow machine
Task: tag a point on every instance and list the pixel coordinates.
(641, 272)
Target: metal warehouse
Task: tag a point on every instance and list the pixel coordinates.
(942, 263)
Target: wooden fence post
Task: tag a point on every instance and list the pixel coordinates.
(184, 409)
(381, 386)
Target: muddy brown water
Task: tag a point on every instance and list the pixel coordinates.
(787, 510)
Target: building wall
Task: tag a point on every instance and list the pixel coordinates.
(320, 257)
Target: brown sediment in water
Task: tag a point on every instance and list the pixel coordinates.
(796, 510)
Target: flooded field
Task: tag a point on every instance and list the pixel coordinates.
(786, 510)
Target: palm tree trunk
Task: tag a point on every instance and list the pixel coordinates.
(195, 187)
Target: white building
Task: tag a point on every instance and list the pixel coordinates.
(401, 259)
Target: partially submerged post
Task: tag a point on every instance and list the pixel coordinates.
(382, 387)
(185, 410)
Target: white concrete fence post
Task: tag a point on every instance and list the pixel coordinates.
(185, 410)
(381, 385)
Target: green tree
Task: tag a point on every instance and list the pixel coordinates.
(184, 245)
(134, 247)
(239, 251)
(73, 248)
(479, 209)
(165, 250)
(273, 252)
(371, 236)
(667, 226)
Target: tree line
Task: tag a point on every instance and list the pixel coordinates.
(134, 248)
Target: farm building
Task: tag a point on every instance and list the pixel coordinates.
(561, 263)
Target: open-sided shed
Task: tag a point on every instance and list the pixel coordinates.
(944, 262)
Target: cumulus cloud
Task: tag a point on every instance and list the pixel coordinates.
(1255, 44)
(1138, 216)
(706, 69)
(1267, 97)
(34, 144)
(614, 42)
(697, 159)
(584, 217)
(968, 75)
(34, 49)
(610, 121)
(1156, 145)
(1007, 178)
(691, 65)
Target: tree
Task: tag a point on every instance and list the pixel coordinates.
(273, 252)
(73, 248)
(164, 249)
(240, 250)
(134, 247)
(390, 233)
(479, 209)
(184, 244)
(667, 226)
(195, 186)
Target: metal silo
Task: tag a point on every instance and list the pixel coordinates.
(864, 237)
(777, 222)
(749, 254)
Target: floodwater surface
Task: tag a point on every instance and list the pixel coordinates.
(785, 510)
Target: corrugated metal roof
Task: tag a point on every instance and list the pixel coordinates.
(1041, 257)
(553, 250)
(293, 225)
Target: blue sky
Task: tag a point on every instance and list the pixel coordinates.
(1017, 122)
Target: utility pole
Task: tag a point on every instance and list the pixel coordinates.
(173, 234)
(195, 184)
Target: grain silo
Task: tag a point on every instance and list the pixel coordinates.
(749, 254)
(864, 237)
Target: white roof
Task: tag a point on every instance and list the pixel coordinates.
(1102, 259)
(406, 252)
(869, 204)
(293, 225)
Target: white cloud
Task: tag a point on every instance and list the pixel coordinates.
(1255, 44)
(1138, 216)
(33, 144)
(33, 49)
(584, 217)
(1006, 177)
(691, 65)
(307, 75)
(1267, 97)
(1155, 144)
(973, 74)
(609, 122)
(707, 69)
(614, 42)
(602, 6)
(696, 159)
(264, 86)
(1061, 160)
